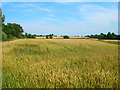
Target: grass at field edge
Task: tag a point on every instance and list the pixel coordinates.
(110, 42)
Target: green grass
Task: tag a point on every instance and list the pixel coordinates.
(110, 42)
(59, 63)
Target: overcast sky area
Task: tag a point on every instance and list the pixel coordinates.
(63, 18)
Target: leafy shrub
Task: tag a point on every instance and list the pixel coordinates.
(4, 36)
(51, 37)
(10, 37)
(66, 37)
(30, 36)
(21, 36)
(46, 36)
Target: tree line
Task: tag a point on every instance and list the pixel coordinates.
(109, 35)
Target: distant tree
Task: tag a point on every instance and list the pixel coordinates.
(35, 35)
(51, 37)
(91, 36)
(96, 36)
(108, 35)
(100, 37)
(30, 36)
(26, 34)
(46, 36)
(118, 37)
(113, 36)
(66, 37)
(104, 36)
(87, 36)
(52, 34)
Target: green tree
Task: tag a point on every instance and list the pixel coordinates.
(26, 34)
(102, 36)
(4, 36)
(10, 37)
(109, 35)
(66, 37)
(3, 18)
(13, 29)
(30, 36)
(51, 36)
(113, 36)
(46, 36)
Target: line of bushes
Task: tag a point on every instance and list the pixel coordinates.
(50, 36)
(109, 35)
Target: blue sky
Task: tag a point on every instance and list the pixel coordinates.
(63, 18)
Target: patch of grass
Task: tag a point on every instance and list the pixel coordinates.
(59, 63)
(111, 42)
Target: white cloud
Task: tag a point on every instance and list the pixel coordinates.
(102, 19)
(47, 18)
(29, 5)
(38, 7)
(92, 7)
(45, 9)
(98, 17)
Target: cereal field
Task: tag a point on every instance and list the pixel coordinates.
(59, 63)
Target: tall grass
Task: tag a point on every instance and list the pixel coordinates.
(60, 63)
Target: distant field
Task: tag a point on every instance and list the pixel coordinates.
(59, 37)
(111, 40)
(58, 63)
(40, 37)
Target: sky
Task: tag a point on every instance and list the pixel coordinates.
(60, 0)
(63, 18)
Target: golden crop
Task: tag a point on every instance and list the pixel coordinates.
(59, 63)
